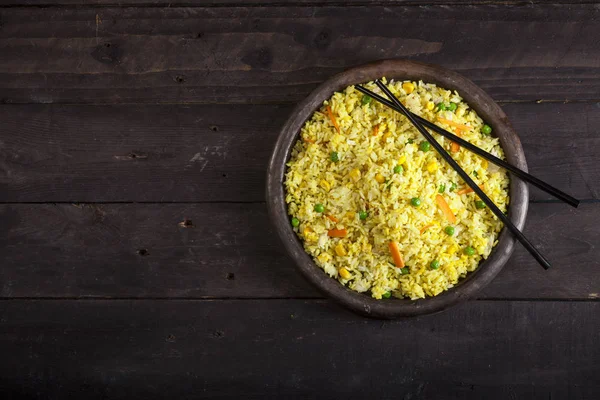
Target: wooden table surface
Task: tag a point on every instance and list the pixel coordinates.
(137, 259)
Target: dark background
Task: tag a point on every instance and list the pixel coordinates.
(136, 256)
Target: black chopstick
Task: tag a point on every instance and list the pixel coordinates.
(507, 222)
(559, 194)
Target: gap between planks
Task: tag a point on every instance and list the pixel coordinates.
(261, 103)
(76, 203)
(314, 299)
(279, 3)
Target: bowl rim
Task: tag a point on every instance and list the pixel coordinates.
(398, 69)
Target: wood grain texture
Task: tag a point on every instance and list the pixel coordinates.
(279, 54)
(148, 153)
(231, 251)
(264, 3)
(166, 153)
(296, 349)
(129, 289)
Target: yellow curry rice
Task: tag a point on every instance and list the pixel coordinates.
(361, 177)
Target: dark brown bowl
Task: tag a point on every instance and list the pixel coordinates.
(399, 70)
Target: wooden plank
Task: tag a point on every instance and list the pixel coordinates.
(264, 3)
(279, 54)
(128, 250)
(136, 153)
(151, 153)
(141, 251)
(296, 349)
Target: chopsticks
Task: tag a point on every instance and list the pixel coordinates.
(488, 202)
(559, 194)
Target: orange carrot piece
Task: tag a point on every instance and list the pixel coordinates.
(376, 130)
(308, 140)
(467, 190)
(423, 229)
(332, 118)
(445, 209)
(396, 254)
(332, 218)
(337, 233)
(455, 147)
(454, 124)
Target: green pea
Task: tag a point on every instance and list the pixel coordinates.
(475, 174)
(441, 106)
(295, 222)
(386, 295)
(442, 188)
(415, 201)
(453, 187)
(479, 204)
(424, 146)
(486, 129)
(404, 271)
(452, 107)
(366, 100)
(469, 251)
(319, 208)
(398, 169)
(363, 215)
(435, 264)
(449, 230)
(334, 156)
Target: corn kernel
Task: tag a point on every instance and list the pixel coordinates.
(355, 174)
(432, 167)
(430, 105)
(325, 185)
(324, 257)
(379, 178)
(350, 215)
(309, 235)
(344, 273)
(386, 135)
(340, 250)
(453, 249)
(408, 87)
(402, 159)
(484, 163)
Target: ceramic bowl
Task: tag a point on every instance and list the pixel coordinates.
(398, 70)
